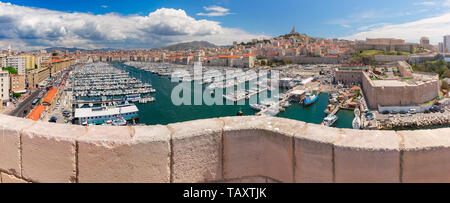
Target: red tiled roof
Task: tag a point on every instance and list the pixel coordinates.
(50, 95)
(36, 113)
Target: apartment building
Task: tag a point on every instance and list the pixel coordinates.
(32, 62)
(17, 62)
(56, 65)
(34, 77)
(4, 86)
(17, 83)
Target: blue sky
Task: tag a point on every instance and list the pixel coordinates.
(321, 18)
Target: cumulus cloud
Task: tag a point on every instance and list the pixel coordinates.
(434, 28)
(34, 27)
(215, 11)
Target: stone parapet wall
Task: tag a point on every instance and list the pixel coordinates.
(232, 149)
(391, 58)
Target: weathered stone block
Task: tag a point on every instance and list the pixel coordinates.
(6, 178)
(197, 151)
(314, 154)
(10, 154)
(367, 156)
(259, 146)
(123, 154)
(426, 156)
(48, 152)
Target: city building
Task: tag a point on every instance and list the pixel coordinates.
(57, 65)
(34, 77)
(17, 83)
(446, 44)
(32, 62)
(441, 47)
(424, 42)
(17, 62)
(4, 87)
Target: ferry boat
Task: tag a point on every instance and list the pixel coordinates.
(100, 115)
(330, 120)
(310, 99)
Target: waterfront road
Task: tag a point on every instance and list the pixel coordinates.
(24, 108)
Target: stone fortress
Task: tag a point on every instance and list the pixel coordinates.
(232, 149)
(411, 88)
(386, 44)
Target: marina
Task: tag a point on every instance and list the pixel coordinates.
(163, 111)
(105, 95)
(142, 95)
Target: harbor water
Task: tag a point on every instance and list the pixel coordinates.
(164, 112)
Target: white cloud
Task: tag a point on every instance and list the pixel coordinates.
(434, 28)
(33, 28)
(215, 11)
(104, 6)
(425, 3)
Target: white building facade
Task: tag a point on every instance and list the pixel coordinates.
(17, 62)
(4, 86)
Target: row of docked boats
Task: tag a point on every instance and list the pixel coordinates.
(104, 80)
(110, 94)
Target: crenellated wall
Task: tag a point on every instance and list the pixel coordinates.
(232, 149)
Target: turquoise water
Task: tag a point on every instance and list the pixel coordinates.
(162, 111)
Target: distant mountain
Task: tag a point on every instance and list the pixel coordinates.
(53, 49)
(63, 49)
(190, 46)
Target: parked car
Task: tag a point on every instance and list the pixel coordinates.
(53, 120)
(66, 113)
(435, 109)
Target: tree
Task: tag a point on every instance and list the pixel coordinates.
(11, 70)
(17, 95)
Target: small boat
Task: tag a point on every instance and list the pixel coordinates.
(330, 120)
(310, 99)
(285, 104)
(272, 112)
(257, 107)
(356, 124)
(267, 102)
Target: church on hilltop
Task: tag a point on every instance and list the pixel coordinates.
(293, 32)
